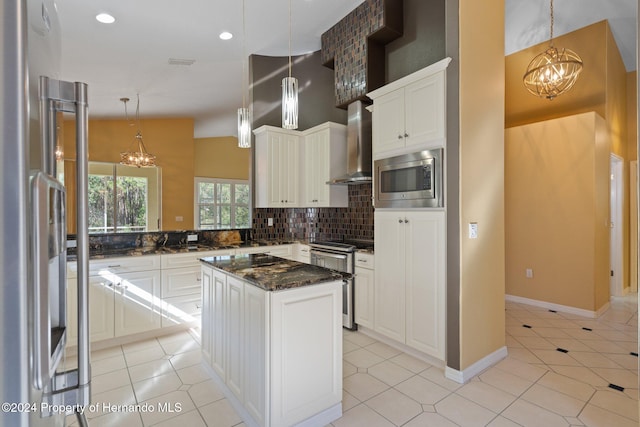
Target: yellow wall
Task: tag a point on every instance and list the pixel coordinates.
(221, 158)
(588, 94)
(171, 140)
(556, 211)
(481, 178)
(604, 86)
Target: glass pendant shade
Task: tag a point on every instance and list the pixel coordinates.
(139, 157)
(553, 72)
(290, 103)
(244, 128)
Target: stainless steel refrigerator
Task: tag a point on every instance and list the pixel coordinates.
(36, 391)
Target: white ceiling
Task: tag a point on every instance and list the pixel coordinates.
(131, 56)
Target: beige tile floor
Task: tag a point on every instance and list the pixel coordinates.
(536, 385)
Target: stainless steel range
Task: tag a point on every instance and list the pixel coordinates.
(340, 256)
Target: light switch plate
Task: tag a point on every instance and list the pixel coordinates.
(270, 222)
(473, 230)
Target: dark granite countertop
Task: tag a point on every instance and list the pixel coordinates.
(166, 250)
(273, 273)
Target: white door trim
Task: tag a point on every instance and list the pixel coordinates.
(616, 201)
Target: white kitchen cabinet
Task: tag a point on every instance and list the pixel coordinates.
(234, 336)
(282, 251)
(409, 113)
(364, 289)
(410, 286)
(275, 344)
(256, 317)
(325, 149)
(302, 253)
(217, 327)
(101, 314)
(124, 297)
(277, 167)
(206, 330)
(182, 286)
(137, 304)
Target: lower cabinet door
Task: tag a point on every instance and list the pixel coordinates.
(206, 329)
(256, 321)
(182, 310)
(138, 307)
(217, 319)
(364, 299)
(101, 326)
(235, 336)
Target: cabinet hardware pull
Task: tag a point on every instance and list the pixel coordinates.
(399, 136)
(362, 260)
(406, 135)
(406, 221)
(198, 306)
(114, 266)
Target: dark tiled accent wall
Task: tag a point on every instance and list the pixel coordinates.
(354, 222)
(354, 48)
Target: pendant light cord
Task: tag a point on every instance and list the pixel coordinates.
(289, 38)
(551, 13)
(244, 54)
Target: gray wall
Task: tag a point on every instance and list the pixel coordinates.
(423, 40)
(315, 97)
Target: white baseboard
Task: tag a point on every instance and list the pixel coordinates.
(402, 347)
(466, 374)
(558, 307)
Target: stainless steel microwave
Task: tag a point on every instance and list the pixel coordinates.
(410, 181)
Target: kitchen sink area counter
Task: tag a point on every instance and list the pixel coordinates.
(273, 273)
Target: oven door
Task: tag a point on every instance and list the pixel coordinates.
(341, 262)
(334, 261)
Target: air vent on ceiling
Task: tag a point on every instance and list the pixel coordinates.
(177, 61)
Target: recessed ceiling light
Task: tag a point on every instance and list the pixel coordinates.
(105, 18)
(226, 35)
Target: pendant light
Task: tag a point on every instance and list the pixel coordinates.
(137, 155)
(554, 71)
(290, 92)
(244, 118)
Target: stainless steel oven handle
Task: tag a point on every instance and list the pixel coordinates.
(328, 254)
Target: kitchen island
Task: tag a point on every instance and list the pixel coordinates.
(272, 338)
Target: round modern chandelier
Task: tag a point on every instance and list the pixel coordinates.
(554, 71)
(137, 155)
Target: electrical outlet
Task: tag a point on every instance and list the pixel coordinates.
(179, 219)
(528, 273)
(270, 222)
(192, 237)
(473, 230)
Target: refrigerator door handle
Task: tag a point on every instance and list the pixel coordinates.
(71, 387)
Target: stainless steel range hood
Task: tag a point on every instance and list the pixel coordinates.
(358, 146)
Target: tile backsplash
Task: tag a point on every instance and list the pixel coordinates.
(353, 222)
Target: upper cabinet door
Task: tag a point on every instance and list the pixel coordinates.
(388, 123)
(424, 113)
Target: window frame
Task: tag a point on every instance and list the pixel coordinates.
(197, 204)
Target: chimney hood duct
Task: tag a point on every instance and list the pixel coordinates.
(358, 146)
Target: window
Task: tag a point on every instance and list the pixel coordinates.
(119, 198)
(221, 204)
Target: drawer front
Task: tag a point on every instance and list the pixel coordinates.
(117, 265)
(181, 281)
(364, 260)
(283, 251)
(125, 264)
(181, 310)
(191, 259)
